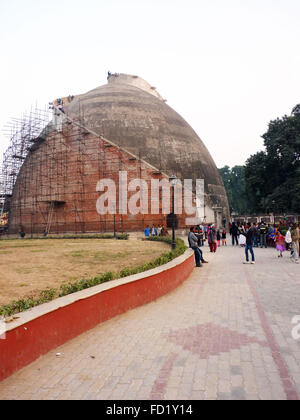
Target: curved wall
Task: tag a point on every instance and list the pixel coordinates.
(47, 326)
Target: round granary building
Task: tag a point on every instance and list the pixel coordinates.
(124, 127)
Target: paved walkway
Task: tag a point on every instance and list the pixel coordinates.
(226, 333)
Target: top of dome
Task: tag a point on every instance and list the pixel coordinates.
(130, 113)
(127, 79)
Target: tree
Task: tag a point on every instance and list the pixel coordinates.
(225, 173)
(234, 182)
(256, 182)
(273, 176)
(239, 198)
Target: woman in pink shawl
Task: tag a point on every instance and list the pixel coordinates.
(280, 243)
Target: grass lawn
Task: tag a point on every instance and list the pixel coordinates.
(29, 266)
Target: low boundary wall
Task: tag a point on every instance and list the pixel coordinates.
(45, 327)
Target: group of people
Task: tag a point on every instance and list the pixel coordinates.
(261, 237)
(155, 231)
(214, 237)
(284, 237)
(206, 232)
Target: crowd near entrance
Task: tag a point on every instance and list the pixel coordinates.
(284, 237)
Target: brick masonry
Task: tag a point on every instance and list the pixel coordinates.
(56, 186)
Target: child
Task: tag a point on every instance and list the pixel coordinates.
(224, 238)
(219, 238)
(280, 243)
(147, 232)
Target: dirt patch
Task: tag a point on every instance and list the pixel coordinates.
(29, 266)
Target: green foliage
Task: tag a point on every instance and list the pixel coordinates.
(257, 181)
(273, 176)
(66, 289)
(47, 295)
(165, 239)
(24, 304)
(235, 185)
(123, 236)
(270, 180)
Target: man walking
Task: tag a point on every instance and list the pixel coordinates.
(249, 233)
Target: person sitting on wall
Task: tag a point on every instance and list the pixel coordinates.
(193, 243)
(147, 232)
(164, 232)
(22, 232)
(153, 231)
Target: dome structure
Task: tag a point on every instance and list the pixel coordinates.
(132, 114)
(123, 127)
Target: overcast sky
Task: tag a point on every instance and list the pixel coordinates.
(228, 67)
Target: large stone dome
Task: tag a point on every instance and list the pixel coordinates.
(130, 113)
(124, 126)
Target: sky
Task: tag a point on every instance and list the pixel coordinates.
(227, 67)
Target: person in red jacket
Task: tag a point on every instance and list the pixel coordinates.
(280, 243)
(212, 238)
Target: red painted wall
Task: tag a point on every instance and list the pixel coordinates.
(26, 343)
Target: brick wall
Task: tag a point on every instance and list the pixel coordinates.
(56, 187)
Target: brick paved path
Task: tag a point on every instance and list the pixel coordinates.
(224, 334)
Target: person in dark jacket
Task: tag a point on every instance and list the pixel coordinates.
(263, 234)
(234, 233)
(255, 237)
(249, 233)
(193, 243)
